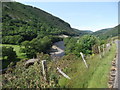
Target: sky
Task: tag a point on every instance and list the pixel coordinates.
(82, 15)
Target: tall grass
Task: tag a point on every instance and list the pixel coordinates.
(100, 77)
(96, 76)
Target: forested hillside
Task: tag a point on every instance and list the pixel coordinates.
(107, 33)
(82, 32)
(22, 22)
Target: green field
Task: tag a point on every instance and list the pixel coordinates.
(96, 76)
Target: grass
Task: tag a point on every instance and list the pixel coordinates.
(96, 76)
(100, 76)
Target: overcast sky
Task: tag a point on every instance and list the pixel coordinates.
(82, 15)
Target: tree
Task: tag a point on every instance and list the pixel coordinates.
(70, 44)
(9, 53)
(37, 45)
(86, 43)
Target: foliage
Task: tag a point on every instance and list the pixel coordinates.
(24, 23)
(102, 71)
(83, 44)
(81, 77)
(86, 43)
(82, 32)
(17, 49)
(31, 77)
(9, 53)
(38, 45)
(16, 39)
(70, 44)
(107, 33)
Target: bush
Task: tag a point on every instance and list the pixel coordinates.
(86, 43)
(9, 53)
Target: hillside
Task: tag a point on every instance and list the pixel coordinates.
(107, 33)
(26, 22)
(82, 32)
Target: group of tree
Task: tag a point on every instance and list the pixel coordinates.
(38, 45)
(83, 44)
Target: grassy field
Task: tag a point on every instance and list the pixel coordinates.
(20, 55)
(96, 76)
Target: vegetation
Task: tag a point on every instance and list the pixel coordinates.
(29, 32)
(81, 77)
(8, 56)
(96, 76)
(82, 32)
(8, 53)
(31, 77)
(107, 33)
(100, 76)
(83, 44)
(17, 49)
(22, 22)
(38, 45)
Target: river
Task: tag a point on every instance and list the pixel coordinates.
(58, 50)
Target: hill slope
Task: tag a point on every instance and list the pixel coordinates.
(107, 33)
(27, 22)
(82, 32)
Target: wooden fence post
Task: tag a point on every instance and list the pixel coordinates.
(59, 70)
(103, 49)
(44, 69)
(83, 59)
(99, 51)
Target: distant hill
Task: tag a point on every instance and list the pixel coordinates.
(82, 32)
(107, 33)
(27, 22)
